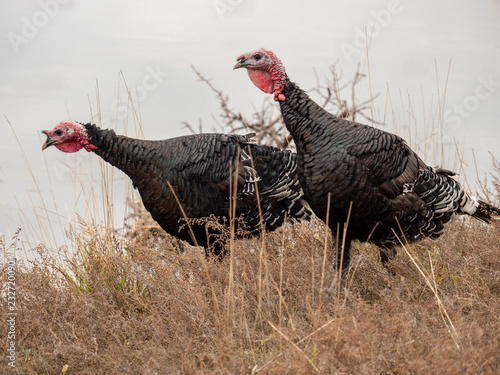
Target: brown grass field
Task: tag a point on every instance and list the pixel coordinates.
(273, 306)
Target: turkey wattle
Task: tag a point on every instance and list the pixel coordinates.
(371, 175)
(201, 170)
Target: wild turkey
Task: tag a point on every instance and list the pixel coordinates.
(201, 170)
(372, 176)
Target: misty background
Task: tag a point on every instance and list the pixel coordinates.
(432, 63)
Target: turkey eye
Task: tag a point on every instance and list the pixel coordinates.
(257, 57)
(58, 132)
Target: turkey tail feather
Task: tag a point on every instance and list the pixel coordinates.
(486, 212)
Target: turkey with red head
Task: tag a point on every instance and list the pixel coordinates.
(201, 170)
(379, 188)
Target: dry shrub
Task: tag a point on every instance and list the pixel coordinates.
(271, 307)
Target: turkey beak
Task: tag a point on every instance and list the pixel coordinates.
(49, 142)
(240, 64)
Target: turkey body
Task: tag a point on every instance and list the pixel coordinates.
(371, 176)
(378, 188)
(202, 170)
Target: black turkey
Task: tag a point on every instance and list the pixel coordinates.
(202, 170)
(371, 175)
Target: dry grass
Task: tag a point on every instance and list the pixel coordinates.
(141, 307)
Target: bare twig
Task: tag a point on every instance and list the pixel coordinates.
(267, 123)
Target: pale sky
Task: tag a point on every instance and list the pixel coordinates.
(55, 52)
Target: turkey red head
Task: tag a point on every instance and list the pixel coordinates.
(68, 137)
(265, 70)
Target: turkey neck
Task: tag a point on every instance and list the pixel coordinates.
(309, 124)
(127, 154)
